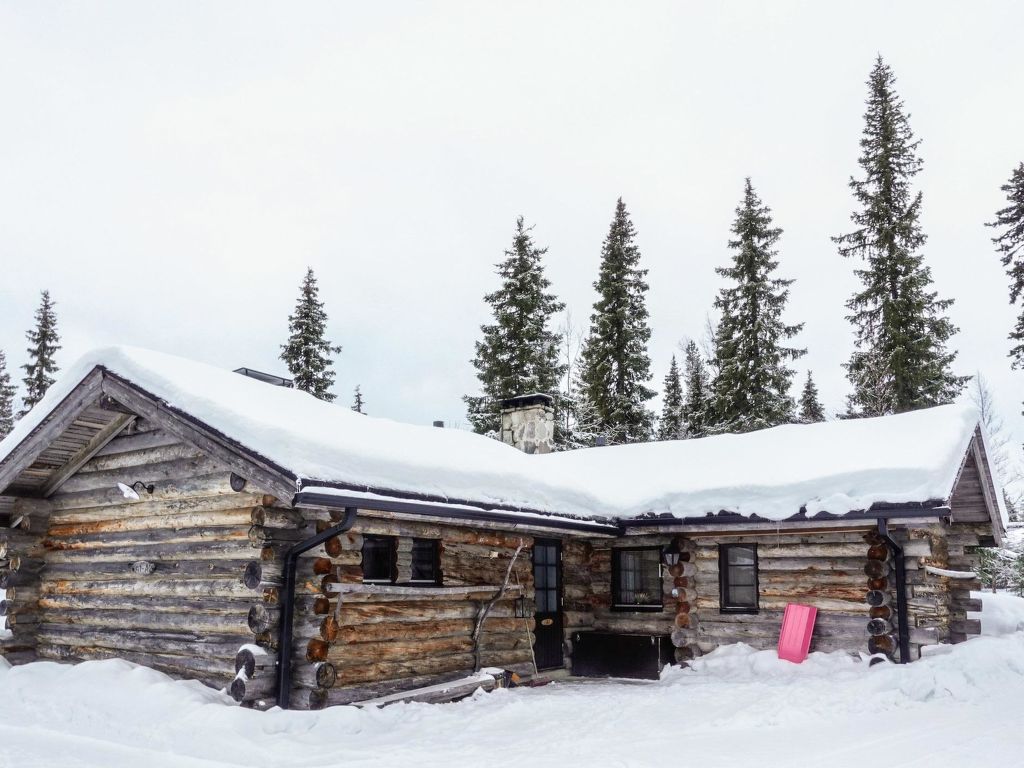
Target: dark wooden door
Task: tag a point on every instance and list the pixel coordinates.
(547, 583)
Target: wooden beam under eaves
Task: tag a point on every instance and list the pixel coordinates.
(90, 449)
(64, 414)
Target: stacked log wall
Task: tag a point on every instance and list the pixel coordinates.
(937, 604)
(825, 570)
(21, 553)
(609, 619)
(578, 568)
(158, 580)
(383, 640)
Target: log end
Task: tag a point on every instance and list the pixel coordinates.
(316, 650)
(252, 577)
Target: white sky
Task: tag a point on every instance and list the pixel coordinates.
(168, 170)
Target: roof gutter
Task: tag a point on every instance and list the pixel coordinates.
(868, 516)
(312, 498)
(903, 631)
(291, 561)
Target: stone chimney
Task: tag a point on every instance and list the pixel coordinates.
(528, 423)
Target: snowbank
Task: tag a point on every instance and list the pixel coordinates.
(837, 466)
(736, 706)
(1001, 614)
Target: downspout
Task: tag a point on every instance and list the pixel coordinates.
(291, 561)
(901, 590)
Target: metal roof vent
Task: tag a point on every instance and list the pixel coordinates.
(267, 378)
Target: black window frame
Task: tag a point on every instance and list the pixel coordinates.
(617, 604)
(558, 591)
(724, 605)
(392, 544)
(435, 563)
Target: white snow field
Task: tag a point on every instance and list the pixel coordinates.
(960, 706)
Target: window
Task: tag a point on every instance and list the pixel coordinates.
(378, 559)
(547, 588)
(636, 579)
(737, 577)
(426, 561)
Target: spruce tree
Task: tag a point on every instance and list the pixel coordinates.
(519, 353)
(357, 402)
(41, 366)
(1010, 245)
(751, 390)
(671, 425)
(308, 352)
(901, 361)
(698, 392)
(616, 367)
(6, 398)
(811, 409)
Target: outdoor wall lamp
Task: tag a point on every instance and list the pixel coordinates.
(670, 554)
(132, 491)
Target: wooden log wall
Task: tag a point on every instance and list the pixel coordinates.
(159, 580)
(938, 605)
(825, 570)
(578, 567)
(21, 562)
(383, 640)
(642, 622)
(882, 596)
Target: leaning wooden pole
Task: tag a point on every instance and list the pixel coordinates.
(486, 609)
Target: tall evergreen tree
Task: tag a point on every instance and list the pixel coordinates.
(1010, 245)
(357, 402)
(616, 367)
(698, 392)
(41, 364)
(6, 398)
(308, 353)
(519, 351)
(751, 390)
(901, 361)
(811, 409)
(671, 425)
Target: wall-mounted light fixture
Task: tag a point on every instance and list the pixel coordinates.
(670, 554)
(132, 491)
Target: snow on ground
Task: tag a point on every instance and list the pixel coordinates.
(737, 706)
(1001, 613)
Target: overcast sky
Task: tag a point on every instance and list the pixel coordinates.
(169, 170)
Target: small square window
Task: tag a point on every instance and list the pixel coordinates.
(737, 577)
(426, 561)
(636, 579)
(378, 559)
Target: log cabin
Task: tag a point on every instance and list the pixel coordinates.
(221, 528)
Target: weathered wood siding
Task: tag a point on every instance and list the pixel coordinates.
(607, 619)
(158, 581)
(579, 567)
(968, 501)
(381, 643)
(937, 605)
(825, 570)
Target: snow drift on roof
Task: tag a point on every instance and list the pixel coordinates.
(837, 467)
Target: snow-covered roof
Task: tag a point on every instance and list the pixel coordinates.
(836, 467)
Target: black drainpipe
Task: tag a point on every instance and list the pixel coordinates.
(901, 590)
(291, 560)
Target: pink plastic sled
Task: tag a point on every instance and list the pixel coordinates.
(797, 627)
